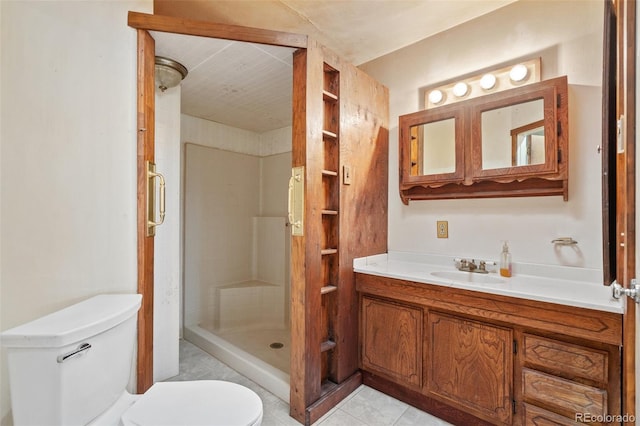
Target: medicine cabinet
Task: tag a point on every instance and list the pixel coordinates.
(512, 143)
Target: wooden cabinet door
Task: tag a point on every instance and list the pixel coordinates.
(470, 365)
(392, 340)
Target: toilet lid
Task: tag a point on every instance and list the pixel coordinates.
(201, 402)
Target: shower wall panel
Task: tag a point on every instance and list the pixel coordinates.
(269, 250)
(274, 184)
(222, 195)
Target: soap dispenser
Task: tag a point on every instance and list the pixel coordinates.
(505, 261)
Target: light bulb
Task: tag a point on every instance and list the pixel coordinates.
(488, 81)
(460, 89)
(436, 96)
(518, 73)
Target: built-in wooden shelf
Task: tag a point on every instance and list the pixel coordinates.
(329, 173)
(328, 96)
(330, 212)
(328, 289)
(328, 251)
(329, 135)
(327, 346)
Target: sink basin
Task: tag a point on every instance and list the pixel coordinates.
(468, 277)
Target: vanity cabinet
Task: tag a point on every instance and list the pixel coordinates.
(512, 143)
(470, 357)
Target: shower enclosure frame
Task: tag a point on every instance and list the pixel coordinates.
(363, 205)
(144, 23)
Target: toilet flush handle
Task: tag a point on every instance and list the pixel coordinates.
(74, 353)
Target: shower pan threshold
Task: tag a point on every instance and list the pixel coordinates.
(267, 376)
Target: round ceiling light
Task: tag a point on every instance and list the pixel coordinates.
(518, 73)
(460, 89)
(436, 96)
(488, 81)
(169, 73)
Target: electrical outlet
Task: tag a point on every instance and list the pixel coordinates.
(442, 229)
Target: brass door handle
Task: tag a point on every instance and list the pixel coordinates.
(151, 221)
(290, 201)
(295, 213)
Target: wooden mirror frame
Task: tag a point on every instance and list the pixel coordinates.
(407, 179)
(547, 91)
(550, 178)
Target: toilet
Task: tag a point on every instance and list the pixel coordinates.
(72, 367)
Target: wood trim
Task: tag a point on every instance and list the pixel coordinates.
(608, 143)
(364, 202)
(305, 382)
(329, 92)
(176, 25)
(145, 152)
(335, 394)
(419, 400)
(626, 191)
(146, 146)
(581, 323)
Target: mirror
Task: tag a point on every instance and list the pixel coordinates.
(433, 148)
(513, 136)
(527, 144)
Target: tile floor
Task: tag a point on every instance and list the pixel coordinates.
(364, 407)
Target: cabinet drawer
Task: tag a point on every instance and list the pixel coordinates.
(565, 358)
(563, 395)
(536, 416)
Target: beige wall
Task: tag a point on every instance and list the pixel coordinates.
(68, 171)
(568, 37)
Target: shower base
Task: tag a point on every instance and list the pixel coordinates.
(249, 353)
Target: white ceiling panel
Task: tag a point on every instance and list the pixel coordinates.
(243, 85)
(249, 86)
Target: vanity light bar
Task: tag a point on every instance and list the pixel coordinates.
(489, 81)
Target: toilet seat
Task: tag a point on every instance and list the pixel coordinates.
(196, 403)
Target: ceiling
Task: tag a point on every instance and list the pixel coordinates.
(249, 85)
(244, 85)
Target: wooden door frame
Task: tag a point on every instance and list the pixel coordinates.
(144, 23)
(145, 247)
(626, 193)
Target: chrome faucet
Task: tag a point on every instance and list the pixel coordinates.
(471, 266)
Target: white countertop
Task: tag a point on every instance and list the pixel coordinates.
(571, 286)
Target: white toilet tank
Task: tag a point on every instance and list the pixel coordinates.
(68, 367)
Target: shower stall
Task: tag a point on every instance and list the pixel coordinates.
(236, 260)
